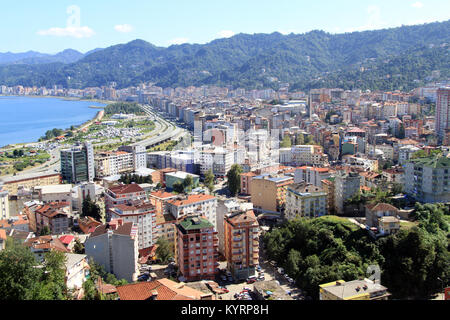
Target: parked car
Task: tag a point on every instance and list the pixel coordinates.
(258, 268)
(250, 281)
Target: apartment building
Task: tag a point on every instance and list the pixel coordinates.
(241, 249)
(305, 200)
(307, 155)
(328, 188)
(143, 215)
(197, 249)
(121, 194)
(4, 204)
(427, 179)
(383, 218)
(115, 246)
(109, 163)
(268, 193)
(311, 175)
(346, 186)
(77, 270)
(195, 204)
(29, 181)
(77, 163)
(218, 160)
(442, 112)
(53, 215)
(55, 193)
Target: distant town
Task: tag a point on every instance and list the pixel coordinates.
(215, 193)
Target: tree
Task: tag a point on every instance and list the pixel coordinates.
(78, 248)
(165, 250)
(286, 143)
(178, 187)
(188, 183)
(18, 276)
(45, 231)
(300, 139)
(209, 180)
(234, 179)
(53, 285)
(90, 209)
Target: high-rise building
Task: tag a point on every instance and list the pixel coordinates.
(428, 179)
(77, 163)
(442, 111)
(197, 249)
(242, 243)
(4, 204)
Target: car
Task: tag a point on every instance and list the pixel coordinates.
(144, 277)
(224, 278)
(286, 276)
(261, 279)
(258, 268)
(250, 281)
(230, 279)
(290, 280)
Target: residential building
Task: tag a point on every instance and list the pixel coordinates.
(195, 204)
(39, 246)
(307, 155)
(442, 112)
(29, 181)
(4, 204)
(383, 218)
(122, 194)
(162, 289)
(353, 290)
(346, 186)
(54, 216)
(2, 239)
(197, 249)
(115, 246)
(427, 179)
(77, 270)
(241, 247)
(77, 163)
(311, 175)
(246, 179)
(55, 193)
(328, 188)
(143, 214)
(268, 193)
(305, 200)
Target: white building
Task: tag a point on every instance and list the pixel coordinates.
(305, 200)
(115, 247)
(77, 270)
(311, 175)
(4, 204)
(55, 193)
(346, 186)
(195, 204)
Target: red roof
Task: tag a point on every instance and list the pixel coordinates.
(162, 194)
(124, 189)
(67, 239)
(145, 290)
(191, 199)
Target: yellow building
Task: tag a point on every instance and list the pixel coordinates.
(269, 193)
(353, 290)
(12, 184)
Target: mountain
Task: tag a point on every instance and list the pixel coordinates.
(32, 57)
(379, 59)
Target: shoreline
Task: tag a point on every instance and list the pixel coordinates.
(77, 128)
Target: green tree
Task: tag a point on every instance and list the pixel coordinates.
(165, 250)
(19, 277)
(45, 231)
(300, 139)
(286, 143)
(209, 181)
(90, 209)
(78, 248)
(178, 187)
(234, 179)
(188, 183)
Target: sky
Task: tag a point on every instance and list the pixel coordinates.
(50, 26)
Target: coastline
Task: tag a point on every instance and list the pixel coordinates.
(77, 128)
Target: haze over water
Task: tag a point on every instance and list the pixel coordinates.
(26, 119)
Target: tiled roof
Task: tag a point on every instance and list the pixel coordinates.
(124, 189)
(2, 234)
(144, 291)
(243, 217)
(46, 242)
(162, 194)
(381, 207)
(67, 239)
(191, 199)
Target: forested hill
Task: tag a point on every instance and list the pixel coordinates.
(381, 59)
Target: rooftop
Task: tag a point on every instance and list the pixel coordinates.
(348, 290)
(195, 223)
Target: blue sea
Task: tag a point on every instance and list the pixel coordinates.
(26, 119)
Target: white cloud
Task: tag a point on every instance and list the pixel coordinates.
(374, 20)
(75, 32)
(178, 41)
(226, 34)
(417, 5)
(123, 28)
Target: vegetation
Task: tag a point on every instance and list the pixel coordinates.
(123, 107)
(389, 59)
(165, 250)
(22, 279)
(50, 134)
(209, 181)
(97, 271)
(234, 179)
(91, 209)
(327, 249)
(286, 143)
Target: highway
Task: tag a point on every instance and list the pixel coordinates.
(164, 131)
